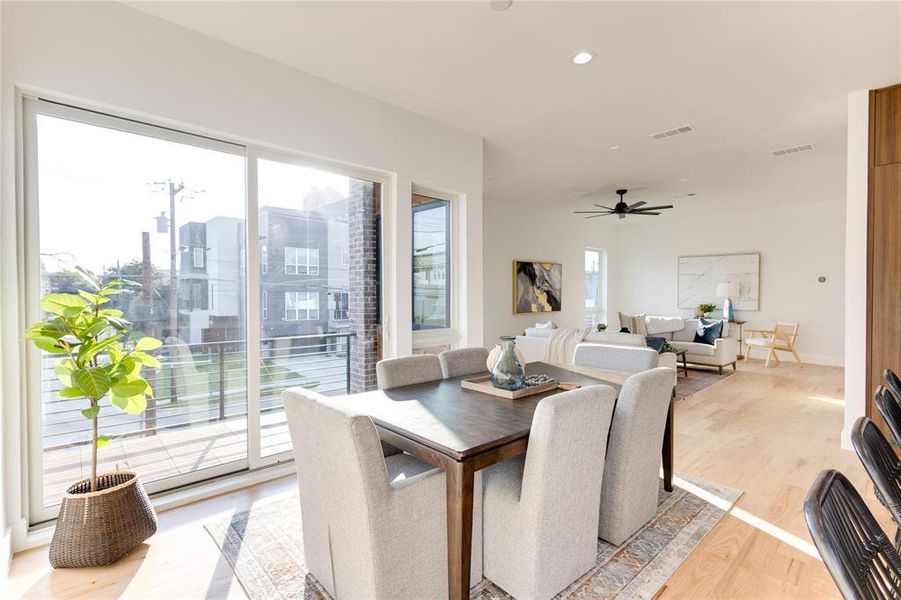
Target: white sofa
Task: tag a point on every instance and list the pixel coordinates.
(722, 353)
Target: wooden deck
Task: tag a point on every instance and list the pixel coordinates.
(168, 453)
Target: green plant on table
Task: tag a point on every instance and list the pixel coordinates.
(96, 360)
(667, 347)
(705, 309)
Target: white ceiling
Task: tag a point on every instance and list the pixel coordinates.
(750, 77)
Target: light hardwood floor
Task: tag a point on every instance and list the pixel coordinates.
(767, 432)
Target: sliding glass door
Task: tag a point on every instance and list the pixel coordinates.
(240, 322)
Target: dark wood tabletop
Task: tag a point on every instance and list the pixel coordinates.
(459, 422)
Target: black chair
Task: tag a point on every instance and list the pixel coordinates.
(855, 550)
(890, 410)
(893, 383)
(882, 465)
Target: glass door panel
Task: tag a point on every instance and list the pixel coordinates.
(167, 210)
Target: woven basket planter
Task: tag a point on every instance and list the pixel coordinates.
(95, 529)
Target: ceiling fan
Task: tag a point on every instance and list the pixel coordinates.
(622, 209)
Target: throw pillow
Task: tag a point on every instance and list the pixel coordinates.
(634, 323)
(548, 325)
(708, 331)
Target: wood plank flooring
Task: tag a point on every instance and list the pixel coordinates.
(765, 431)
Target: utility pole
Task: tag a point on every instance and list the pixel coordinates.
(147, 292)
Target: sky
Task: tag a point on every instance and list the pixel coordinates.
(98, 192)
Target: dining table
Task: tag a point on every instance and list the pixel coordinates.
(462, 431)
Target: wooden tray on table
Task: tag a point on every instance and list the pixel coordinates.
(483, 384)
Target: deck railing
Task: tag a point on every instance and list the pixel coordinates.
(204, 383)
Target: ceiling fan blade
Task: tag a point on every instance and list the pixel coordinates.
(589, 212)
(601, 215)
(602, 206)
(644, 213)
(653, 208)
(637, 204)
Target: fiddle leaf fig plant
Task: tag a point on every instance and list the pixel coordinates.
(96, 358)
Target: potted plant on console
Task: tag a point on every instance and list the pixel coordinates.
(104, 517)
(704, 310)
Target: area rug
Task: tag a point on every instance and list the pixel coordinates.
(264, 547)
(697, 380)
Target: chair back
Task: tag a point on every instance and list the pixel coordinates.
(855, 550)
(881, 463)
(892, 382)
(784, 334)
(343, 483)
(407, 370)
(606, 357)
(465, 361)
(631, 472)
(890, 410)
(567, 449)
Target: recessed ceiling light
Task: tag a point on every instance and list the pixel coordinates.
(583, 58)
(500, 4)
(614, 147)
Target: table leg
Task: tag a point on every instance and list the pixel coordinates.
(460, 490)
(668, 447)
(685, 365)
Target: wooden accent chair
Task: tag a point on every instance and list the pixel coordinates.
(781, 338)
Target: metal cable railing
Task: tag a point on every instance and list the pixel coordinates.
(205, 383)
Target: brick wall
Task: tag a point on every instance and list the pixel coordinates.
(363, 285)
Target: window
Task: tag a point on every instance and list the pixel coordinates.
(431, 263)
(595, 287)
(87, 164)
(301, 261)
(264, 304)
(340, 306)
(301, 306)
(264, 260)
(345, 258)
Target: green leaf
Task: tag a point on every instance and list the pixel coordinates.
(55, 328)
(148, 343)
(90, 413)
(103, 440)
(129, 388)
(146, 360)
(48, 344)
(64, 368)
(89, 277)
(93, 298)
(111, 312)
(94, 349)
(66, 305)
(133, 405)
(94, 382)
(70, 392)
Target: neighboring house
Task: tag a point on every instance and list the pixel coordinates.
(304, 264)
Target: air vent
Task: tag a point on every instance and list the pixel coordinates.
(792, 150)
(668, 134)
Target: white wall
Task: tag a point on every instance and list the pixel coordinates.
(856, 263)
(514, 231)
(797, 244)
(114, 56)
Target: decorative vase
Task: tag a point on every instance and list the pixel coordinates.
(95, 529)
(508, 372)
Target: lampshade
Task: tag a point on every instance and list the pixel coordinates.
(727, 289)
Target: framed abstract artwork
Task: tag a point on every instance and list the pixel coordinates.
(699, 276)
(537, 286)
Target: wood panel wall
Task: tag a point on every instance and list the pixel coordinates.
(883, 241)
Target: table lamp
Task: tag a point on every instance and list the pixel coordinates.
(727, 289)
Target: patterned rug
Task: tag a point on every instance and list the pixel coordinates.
(264, 546)
(697, 380)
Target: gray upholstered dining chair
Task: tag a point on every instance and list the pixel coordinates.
(407, 370)
(465, 361)
(373, 526)
(615, 358)
(632, 468)
(541, 510)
